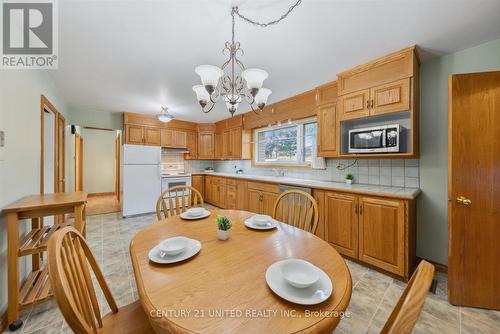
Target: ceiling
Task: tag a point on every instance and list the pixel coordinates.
(137, 55)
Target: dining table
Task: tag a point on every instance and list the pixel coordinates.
(223, 289)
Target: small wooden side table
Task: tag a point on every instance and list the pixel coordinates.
(36, 288)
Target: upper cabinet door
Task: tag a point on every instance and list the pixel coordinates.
(152, 136)
(354, 105)
(180, 139)
(219, 151)
(392, 97)
(192, 139)
(167, 137)
(134, 134)
(206, 145)
(327, 130)
(236, 143)
(381, 233)
(226, 145)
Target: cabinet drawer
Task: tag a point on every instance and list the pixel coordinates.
(231, 182)
(269, 187)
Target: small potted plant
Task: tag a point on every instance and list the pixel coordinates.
(224, 227)
(209, 169)
(349, 178)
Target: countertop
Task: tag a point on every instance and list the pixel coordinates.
(386, 191)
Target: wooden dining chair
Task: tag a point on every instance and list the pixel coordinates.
(297, 208)
(69, 258)
(407, 310)
(180, 198)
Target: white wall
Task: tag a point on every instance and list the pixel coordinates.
(20, 92)
(98, 160)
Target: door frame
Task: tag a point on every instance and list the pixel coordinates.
(45, 104)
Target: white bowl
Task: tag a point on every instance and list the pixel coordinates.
(195, 212)
(173, 246)
(261, 220)
(299, 273)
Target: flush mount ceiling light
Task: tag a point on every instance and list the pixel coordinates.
(238, 83)
(164, 116)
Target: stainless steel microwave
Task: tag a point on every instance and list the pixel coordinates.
(377, 139)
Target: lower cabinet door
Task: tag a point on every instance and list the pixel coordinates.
(341, 222)
(268, 201)
(230, 197)
(381, 233)
(254, 201)
(208, 190)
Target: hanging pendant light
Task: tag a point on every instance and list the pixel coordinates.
(239, 83)
(164, 116)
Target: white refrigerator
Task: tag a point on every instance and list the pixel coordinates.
(141, 179)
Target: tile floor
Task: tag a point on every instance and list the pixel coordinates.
(373, 297)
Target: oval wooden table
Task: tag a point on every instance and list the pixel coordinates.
(223, 288)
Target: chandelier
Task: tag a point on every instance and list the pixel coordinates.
(232, 81)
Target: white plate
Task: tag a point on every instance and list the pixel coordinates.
(270, 225)
(315, 294)
(192, 249)
(185, 215)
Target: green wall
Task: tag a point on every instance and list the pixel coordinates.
(96, 118)
(432, 205)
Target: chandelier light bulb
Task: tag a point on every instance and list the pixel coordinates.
(201, 94)
(254, 78)
(210, 76)
(261, 97)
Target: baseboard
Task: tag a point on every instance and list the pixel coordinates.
(3, 321)
(101, 194)
(439, 267)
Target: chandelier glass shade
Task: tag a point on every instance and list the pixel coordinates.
(164, 115)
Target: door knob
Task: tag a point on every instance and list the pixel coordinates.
(463, 200)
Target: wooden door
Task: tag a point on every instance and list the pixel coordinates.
(354, 105)
(319, 197)
(474, 190)
(327, 134)
(391, 97)
(152, 136)
(134, 134)
(268, 201)
(180, 139)
(61, 155)
(381, 233)
(78, 162)
(192, 146)
(341, 227)
(198, 183)
(167, 137)
(236, 143)
(254, 201)
(206, 145)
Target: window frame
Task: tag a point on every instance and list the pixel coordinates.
(300, 124)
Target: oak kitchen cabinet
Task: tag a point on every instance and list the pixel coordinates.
(142, 135)
(173, 138)
(192, 145)
(206, 143)
(374, 230)
(232, 141)
(261, 197)
(384, 85)
(198, 183)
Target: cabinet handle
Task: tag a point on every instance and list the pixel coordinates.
(356, 209)
(371, 104)
(367, 104)
(360, 209)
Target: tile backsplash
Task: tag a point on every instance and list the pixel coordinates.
(385, 172)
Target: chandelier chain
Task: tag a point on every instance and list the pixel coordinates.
(260, 24)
